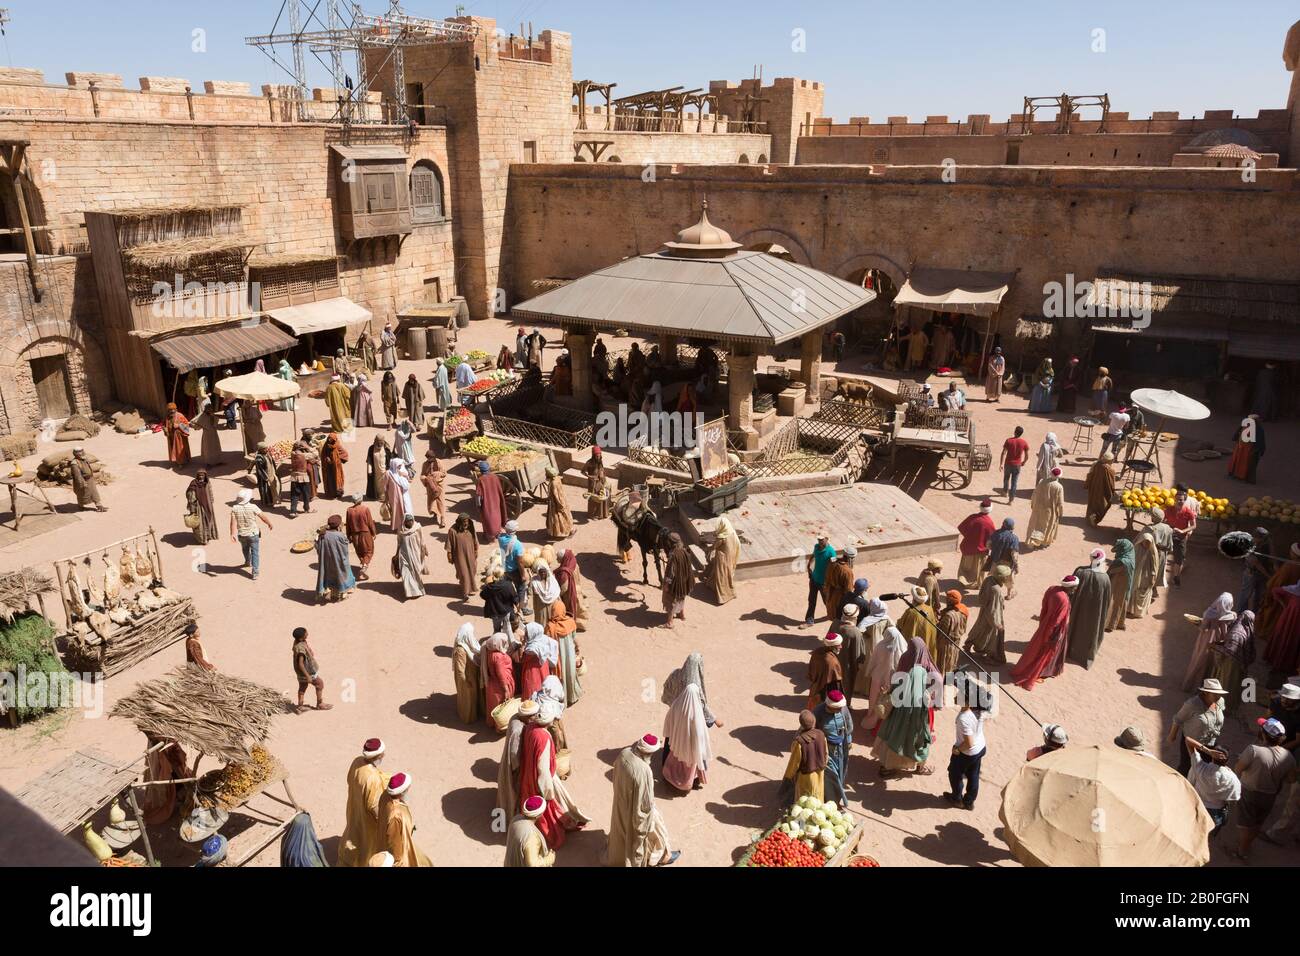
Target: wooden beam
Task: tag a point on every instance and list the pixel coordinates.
(15, 171)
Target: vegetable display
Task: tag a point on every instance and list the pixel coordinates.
(459, 423)
(717, 481)
(778, 849)
(1279, 509)
(487, 447)
(820, 827)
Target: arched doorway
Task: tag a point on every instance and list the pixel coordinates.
(743, 159)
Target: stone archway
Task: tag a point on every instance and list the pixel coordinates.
(19, 404)
(766, 235)
(859, 263)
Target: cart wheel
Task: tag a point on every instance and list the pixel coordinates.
(514, 500)
(950, 480)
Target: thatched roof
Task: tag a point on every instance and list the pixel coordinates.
(206, 710)
(173, 209)
(18, 587)
(550, 282)
(177, 253)
(278, 260)
(1243, 300)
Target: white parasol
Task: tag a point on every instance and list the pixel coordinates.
(260, 387)
(1170, 404)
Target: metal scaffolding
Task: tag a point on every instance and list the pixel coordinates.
(325, 29)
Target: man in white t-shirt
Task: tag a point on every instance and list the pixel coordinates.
(244, 516)
(1118, 422)
(1213, 780)
(969, 750)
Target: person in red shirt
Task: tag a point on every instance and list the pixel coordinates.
(1181, 517)
(1015, 452)
(975, 532)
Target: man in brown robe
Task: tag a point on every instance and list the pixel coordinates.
(83, 481)
(1101, 488)
(598, 497)
(433, 478)
(839, 581)
(824, 669)
(559, 519)
(209, 435)
(679, 578)
(491, 498)
(399, 830)
(462, 553)
(363, 834)
(720, 573)
(332, 458)
(360, 526)
(176, 428)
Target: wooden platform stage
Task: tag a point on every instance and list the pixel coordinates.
(779, 529)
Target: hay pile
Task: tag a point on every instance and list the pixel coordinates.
(209, 711)
(27, 642)
(18, 589)
(77, 428)
(17, 445)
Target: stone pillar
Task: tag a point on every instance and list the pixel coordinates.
(740, 397)
(579, 345)
(810, 365)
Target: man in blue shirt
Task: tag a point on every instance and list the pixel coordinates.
(818, 561)
(511, 551)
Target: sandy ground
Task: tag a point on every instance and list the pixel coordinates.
(388, 662)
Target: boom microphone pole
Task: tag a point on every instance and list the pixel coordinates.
(907, 599)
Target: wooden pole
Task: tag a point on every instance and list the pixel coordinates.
(139, 819)
(157, 556)
(15, 171)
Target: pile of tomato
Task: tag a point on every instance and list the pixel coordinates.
(717, 481)
(777, 849)
(863, 861)
(482, 385)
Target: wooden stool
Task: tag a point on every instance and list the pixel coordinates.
(1083, 428)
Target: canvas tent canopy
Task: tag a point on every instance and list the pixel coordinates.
(703, 286)
(337, 313)
(210, 347)
(954, 290)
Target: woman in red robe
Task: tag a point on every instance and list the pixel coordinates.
(176, 428)
(498, 672)
(1283, 650)
(539, 660)
(538, 752)
(1045, 655)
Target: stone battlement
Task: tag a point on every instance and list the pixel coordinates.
(977, 124)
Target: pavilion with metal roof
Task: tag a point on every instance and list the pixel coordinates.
(704, 286)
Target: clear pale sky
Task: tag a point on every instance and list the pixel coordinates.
(952, 57)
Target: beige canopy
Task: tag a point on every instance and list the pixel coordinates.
(1103, 806)
(954, 290)
(257, 387)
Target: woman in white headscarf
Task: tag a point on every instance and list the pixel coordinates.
(881, 668)
(465, 672)
(686, 741)
(539, 659)
(720, 574)
(397, 494)
(1215, 624)
(551, 700)
(1050, 454)
(872, 626)
(545, 589)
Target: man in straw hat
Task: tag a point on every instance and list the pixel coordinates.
(637, 834)
(975, 531)
(399, 830)
(1132, 739)
(1054, 738)
(525, 845)
(1200, 719)
(363, 834)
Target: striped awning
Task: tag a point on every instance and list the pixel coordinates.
(211, 347)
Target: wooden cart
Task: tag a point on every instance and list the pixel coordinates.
(951, 434)
(451, 443)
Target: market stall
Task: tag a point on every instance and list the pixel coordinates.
(209, 713)
(117, 609)
(1164, 404)
(259, 387)
(521, 468)
(810, 834)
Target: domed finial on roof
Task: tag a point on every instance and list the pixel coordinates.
(703, 238)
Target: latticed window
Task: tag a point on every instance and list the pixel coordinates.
(426, 194)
